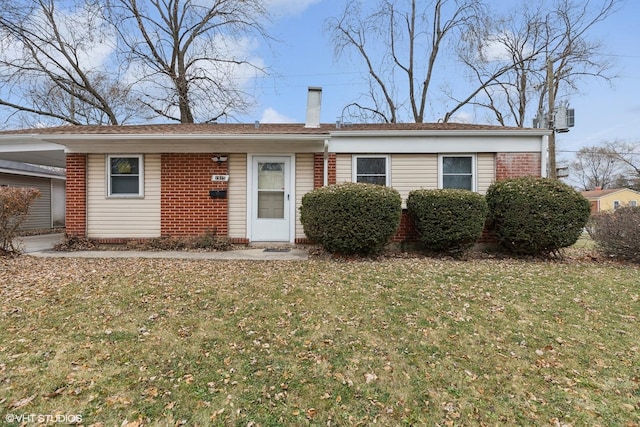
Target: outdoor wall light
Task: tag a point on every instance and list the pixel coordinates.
(219, 158)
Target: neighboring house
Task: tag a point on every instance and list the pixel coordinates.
(246, 181)
(611, 199)
(48, 210)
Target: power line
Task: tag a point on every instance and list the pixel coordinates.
(596, 152)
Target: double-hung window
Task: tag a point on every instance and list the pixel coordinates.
(371, 169)
(125, 177)
(457, 171)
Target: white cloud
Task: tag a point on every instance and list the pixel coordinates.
(495, 47)
(272, 116)
(462, 117)
(289, 7)
(494, 50)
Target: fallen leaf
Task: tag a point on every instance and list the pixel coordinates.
(368, 377)
(22, 402)
(628, 407)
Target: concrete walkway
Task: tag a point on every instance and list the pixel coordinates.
(42, 246)
(38, 243)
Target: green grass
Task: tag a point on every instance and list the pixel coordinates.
(395, 342)
(585, 242)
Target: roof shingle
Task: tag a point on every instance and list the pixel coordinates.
(250, 129)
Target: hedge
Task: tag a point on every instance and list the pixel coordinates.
(351, 218)
(447, 220)
(536, 215)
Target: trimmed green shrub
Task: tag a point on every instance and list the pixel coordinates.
(351, 218)
(447, 220)
(617, 233)
(535, 216)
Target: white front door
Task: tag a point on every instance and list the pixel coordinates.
(271, 182)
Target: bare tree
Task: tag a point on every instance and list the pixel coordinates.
(48, 68)
(500, 57)
(541, 46)
(116, 61)
(400, 43)
(628, 154)
(596, 168)
(506, 58)
(185, 55)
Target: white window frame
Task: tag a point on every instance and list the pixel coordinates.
(474, 168)
(633, 203)
(354, 162)
(140, 193)
(616, 204)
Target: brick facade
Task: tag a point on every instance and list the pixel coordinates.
(187, 209)
(76, 202)
(406, 231)
(186, 206)
(514, 165)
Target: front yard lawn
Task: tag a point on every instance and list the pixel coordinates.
(396, 342)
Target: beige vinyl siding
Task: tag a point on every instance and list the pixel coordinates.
(39, 215)
(343, 168)
(413, 172)
(58, 202)
(486, 171)
(113, 217)
(304, 184)
(237, 196)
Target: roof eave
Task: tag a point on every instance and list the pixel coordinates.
(61, 139)
(441, 132)
(32, 174)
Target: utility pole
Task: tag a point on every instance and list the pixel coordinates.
(552, 137)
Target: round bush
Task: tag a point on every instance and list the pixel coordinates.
(351, 218)
(447, 220)
(536, 216)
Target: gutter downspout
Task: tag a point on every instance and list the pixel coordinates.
(544, 156)
(325, 168)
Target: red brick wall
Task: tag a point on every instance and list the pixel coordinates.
(405, 231)
(514, 165)
(76, 203)
(318, 169)
(186, 207)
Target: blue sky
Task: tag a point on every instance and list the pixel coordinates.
(304, 57)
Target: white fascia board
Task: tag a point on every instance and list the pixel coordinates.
(470, 143)
(447, 133)
(22, 145)
(33, 174)
(89, 138)
(189, 143)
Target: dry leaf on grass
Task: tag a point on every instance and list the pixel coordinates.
(22, 402)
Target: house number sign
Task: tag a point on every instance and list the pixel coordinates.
(220, 178)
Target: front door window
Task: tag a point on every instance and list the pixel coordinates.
(271, 191)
